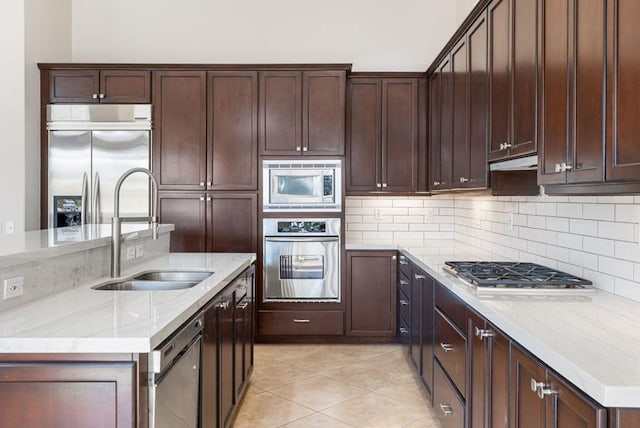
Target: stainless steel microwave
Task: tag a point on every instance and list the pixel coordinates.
(302, 185)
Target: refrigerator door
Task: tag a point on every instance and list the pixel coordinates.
(69, 173)
(115, 152)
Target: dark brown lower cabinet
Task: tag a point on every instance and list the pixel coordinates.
(226, 343)
(448, 405)
(214, 222)
(243, 332)
(209, 367)
(68, 394)
(371, 293)
(427, 331)
(541, 399)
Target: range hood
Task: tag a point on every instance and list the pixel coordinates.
(520, 164)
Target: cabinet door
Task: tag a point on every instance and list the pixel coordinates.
(280, 120)
(571, 408)
(527, 409)
(239, 338)
(427, 331)
(250, 321)
(448, 406)
(125, 87)
(554, 108)
(498, 16)
(232, 130)
(323, 102)
(187, 213)
(498, 393)
(417, 279)
(623, 86)
(74, 86)
(479, 375)
(209, 368)
(435, 114)
(232, 222)
(523, 76)
(226, 388)
(364, 139)
(460, 153)
(478, 105)
(446, 125)
(180, 129)
(399, 135)
(371, 293)
(61, 395)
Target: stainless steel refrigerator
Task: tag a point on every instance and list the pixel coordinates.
(90, 146)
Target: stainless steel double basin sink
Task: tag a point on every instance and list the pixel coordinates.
(157, 280)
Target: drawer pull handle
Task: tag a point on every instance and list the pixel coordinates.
(403, 262)
(243, 305)
(544, 391)
(404, 302)
(446, 409)
(418, 276)
(446, 347)
(223, 305)
(301, 321)
(482, 334)
(403, 282)
(404, 330)
(535, 385)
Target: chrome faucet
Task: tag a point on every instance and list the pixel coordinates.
(117, 221)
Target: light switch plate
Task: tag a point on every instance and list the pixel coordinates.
(131, 253)
(13, 287)
(139, 250)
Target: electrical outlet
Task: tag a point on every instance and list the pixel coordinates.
(13, 287)
(139, 250)
(9, 227)
(131, 253)
(377, 214)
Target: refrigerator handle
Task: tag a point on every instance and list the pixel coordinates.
(83, 198)
(95, 209)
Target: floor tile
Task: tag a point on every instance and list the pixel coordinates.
(268, 376)
(318, 392)
(317, 420)
(267, 411)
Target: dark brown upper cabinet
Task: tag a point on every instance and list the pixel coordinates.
(623, 87)
(179, 153)
(100, 86)
(441, 126)
(383, 134)
(205, 130)
(512, 29)
(232, 131)
(302, 112)
(571, 110)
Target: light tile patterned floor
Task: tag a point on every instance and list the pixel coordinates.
(334, 386)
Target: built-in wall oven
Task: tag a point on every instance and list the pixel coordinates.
(301, 260)
(302, 185)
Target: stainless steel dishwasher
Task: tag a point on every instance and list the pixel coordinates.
(174, 378)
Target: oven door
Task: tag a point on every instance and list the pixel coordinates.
(302, 269)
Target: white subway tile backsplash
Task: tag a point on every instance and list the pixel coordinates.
(595, 237)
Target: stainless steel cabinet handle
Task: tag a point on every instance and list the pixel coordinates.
(464, 179)
(558, 168)
(223, 305)
(202, 184)
(393, 257)
(94, 96)
(404, 330)
(242, 305)
(419, 276)
(446, 347)
(505, 146)
(436, 183)
(305, 149)
(535, 385)
(301, 321)
(446, 409)
(384, 184)
(483, 333)
(101, 96)
(564, 167)
(202, 198)
(403, 262)
(208, 184)
(378, 185)
(404, 302)
(297, 148)
(544, 391)
(208, 198)
(403, 282)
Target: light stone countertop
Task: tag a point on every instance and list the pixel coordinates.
(83, 320)
(593, 341)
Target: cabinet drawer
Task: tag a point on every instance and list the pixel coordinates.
(447, 404)
(451, 350)
(288, 323)
(452, 307)
(403, 283)
(404, 307)
(404, 266)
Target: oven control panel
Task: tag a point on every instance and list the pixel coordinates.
(302, 226)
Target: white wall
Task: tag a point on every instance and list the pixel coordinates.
(47, 39)
(12, 114)
(463, 7)
(374, 35)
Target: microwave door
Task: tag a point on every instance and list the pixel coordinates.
(296, 187)
(114, 152)
(69, 169)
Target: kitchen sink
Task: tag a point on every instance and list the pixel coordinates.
(159, 280)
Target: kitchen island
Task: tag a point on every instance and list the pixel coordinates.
(76, 356)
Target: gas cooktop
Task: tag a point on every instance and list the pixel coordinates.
(517, 277)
